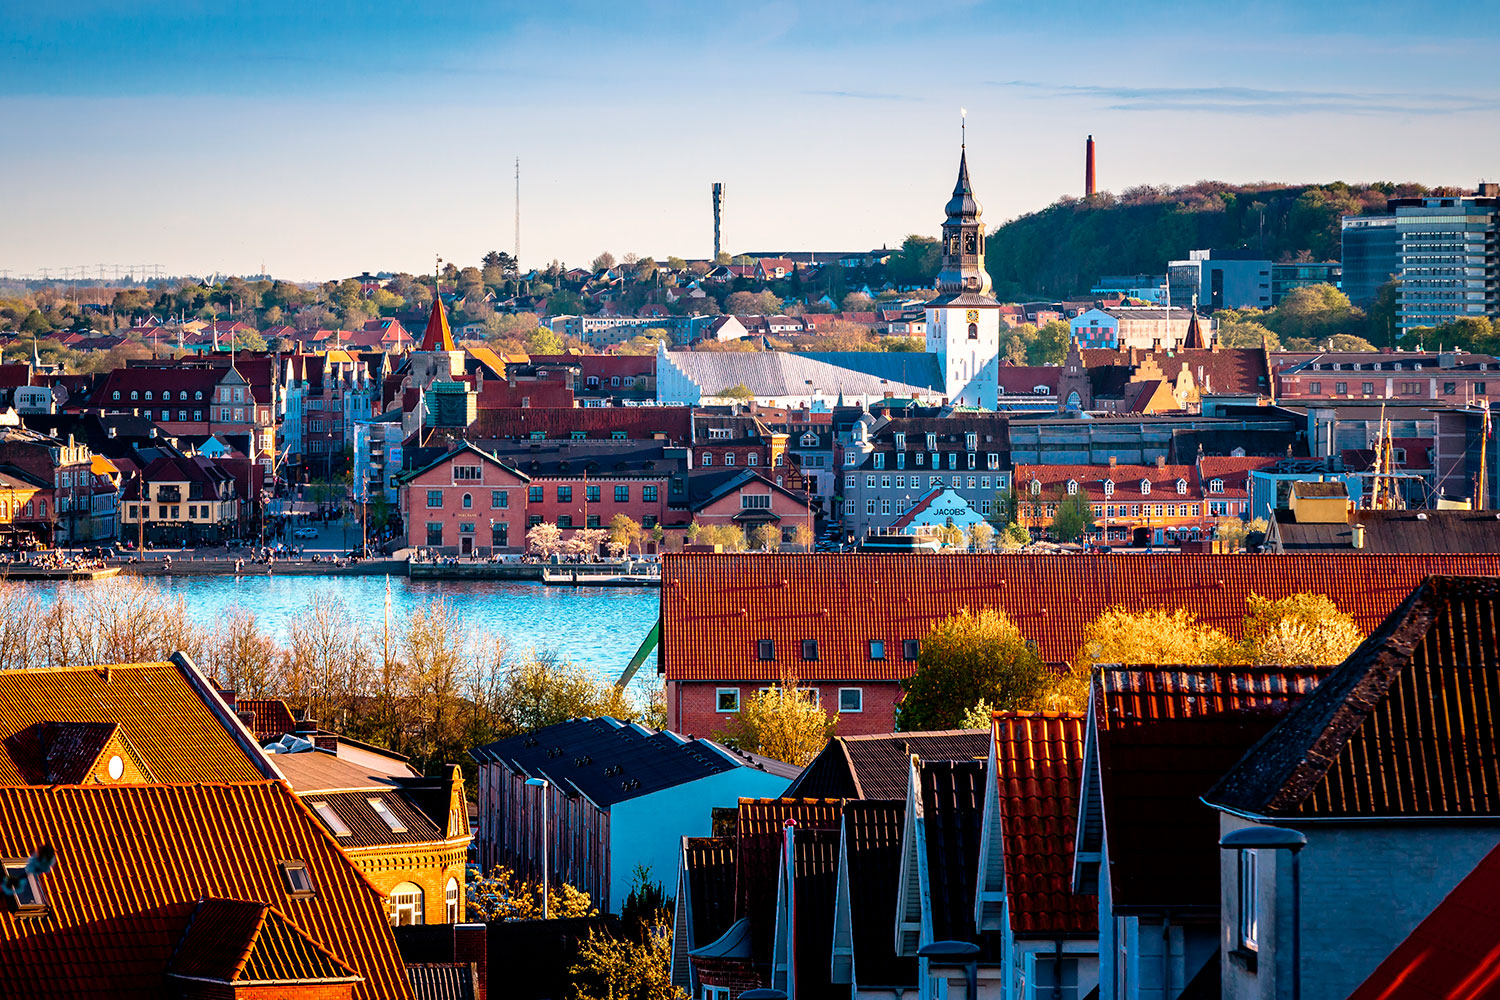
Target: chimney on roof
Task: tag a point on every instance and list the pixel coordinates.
(1111, 461)
(306, 727)
(1359, 535)
(1161, 461)
(228, 695)
(246, 716)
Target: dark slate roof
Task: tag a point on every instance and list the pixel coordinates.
(608, 761)
(247, 943)
(1403, 727)
(908, 367)
(872, 837)
(952, 797)
(814, 891)
(1395, 531)
(878, 766)
(442, 981)
(710, 887)
(705, 488)
(1165, 734)
(73, 748)
(1452, 953)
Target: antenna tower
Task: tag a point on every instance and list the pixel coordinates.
(718, 213)
(517, 255)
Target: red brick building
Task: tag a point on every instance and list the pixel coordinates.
(850, 625)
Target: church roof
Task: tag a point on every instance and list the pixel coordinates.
(963, 206)
(437, 336)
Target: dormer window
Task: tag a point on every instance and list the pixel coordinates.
(1109, 487)
(1216, 486)
(900, 439)
(1036, 487)
(932, 442)
(1182, 486)
(971, 440)
(148, 394)
(1145, 487)
(136, 395)
(1072, 487)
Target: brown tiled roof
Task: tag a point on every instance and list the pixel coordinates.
(710, 887)
(1395, 531)
(272, 717)
(872, 838)
(251, 943)
(757, 858)
(879, 766)
(73, 748)
(596, 422)
(1165, 734)
(952, 800)
(1039, 757)
(134, 862)
(1227, 369)
(1234, 471)
(1403, 727)
(171, 717)
(1453, 953)
(714, 607)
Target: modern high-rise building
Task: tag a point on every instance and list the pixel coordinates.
(1449, 250)
(1369, 254)
(963, 322)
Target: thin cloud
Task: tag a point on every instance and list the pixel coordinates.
(1255, 101)
(860, 95)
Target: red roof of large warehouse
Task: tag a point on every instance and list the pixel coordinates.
(715, 607)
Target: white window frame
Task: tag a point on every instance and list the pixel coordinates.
(453, 895)
(719, 694)
(404, 901)
(331, 819)
(1248, 917)
(384, 812)
(860, 692)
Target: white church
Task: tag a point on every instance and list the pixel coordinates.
(963, 322)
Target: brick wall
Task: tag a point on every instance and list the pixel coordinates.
(426, 867)
(692, 706)
(737, 974)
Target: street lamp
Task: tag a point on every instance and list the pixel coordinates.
(946, 958)
(1277, 838)
(545, 786)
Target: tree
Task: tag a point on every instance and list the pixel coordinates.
(740, 391)
(502, 895)
(981, 537)
(1153, 636)
(1074, 517)
(544, 538)
(802, 535)
(766, 538)
(916, 263)
(586, 541)
(627, 968)
(1301, 628)
(781, 722)
(624, 532)
(1050, 345)
(563, 302)
(950, 537)
(1013, 537)
(543, 341)
(966, 659)
(541, 691)
(603, 262)
(752, 304)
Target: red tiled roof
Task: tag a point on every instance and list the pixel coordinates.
(1127, 480)
(1234, 471)
(715, 607)
(1039, 759)
(271, 717)
(250, 943)
(437, 336)
(596, 422)
(1454, 954)
(134, 861)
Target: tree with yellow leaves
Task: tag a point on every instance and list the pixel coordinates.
(1300, 629)
(610, 968)
(501, 895)
(968, 660)
(782, 722)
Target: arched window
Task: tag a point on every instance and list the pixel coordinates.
(1145, 487)
(468, 500)
(406, 905)
(1075, 402)
(1036, 487)
(148, 393)
(973, 331)
(453, 897)
(1072, 487)
(708, 459)
(729, 458)
(1182, 486)
(1109, 487)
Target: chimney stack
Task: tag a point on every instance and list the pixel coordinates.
(1088, 168)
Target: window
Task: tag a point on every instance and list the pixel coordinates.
(565, 520)
(406, 905)
(1341, 388)
(331, 819)
(435, 533)
(472, 473)
(1109, 488)
(1145, 487)
(755, 501)
(752, 459)
(434, 499)
(992, 460)
(1450, 388)
(622, 494)
(565, 494)
(198, 394)
(591, 494)
(117, 393)
(1367, 387)
(879, 460)
(708, 459)
(1249, 902)
(869, 506)
(296, 880)
(809, 649)
(1411, 388)
(765, 649)
(134, 394)
(468, 501)
(870, 482)
(900, 482)
(877, 649)
(729, 458)
(727, 700)
(1181, 486)
(885, 482)
(148, 393)
(534, 494)
(851, 700)
(532, 520)
(1216, 486)
(197, 414)
(29, 896)
(911, 649)
(452, 901)
(648, 493)
(384, 812)
(1072, 487)
(973, 331)
(182, 414)
(715, 992)
(1315, 387)
(1036, 488)
(499, 499)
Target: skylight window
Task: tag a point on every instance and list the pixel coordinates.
(24, 893)
(296, 879)
(384, 812)
(331, 819)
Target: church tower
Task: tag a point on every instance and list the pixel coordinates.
(963, 322)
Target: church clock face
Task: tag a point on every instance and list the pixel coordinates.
(972, 316)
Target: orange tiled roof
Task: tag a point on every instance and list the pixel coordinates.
(170, 715)
(134, 862)
(251, 943)
(1039, 760)
(715, 607)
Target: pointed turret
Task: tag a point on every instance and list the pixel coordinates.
(963, 240)
(437, 337)
(963, 206)
(1193, 341)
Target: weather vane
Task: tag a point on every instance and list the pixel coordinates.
(963, 128)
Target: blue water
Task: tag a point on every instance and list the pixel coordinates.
(598, 628)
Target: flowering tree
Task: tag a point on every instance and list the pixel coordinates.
(586, 541)
(623, 533)
(782, 722)
(544, 538)
(501, 895)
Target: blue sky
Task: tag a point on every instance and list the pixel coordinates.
(324, 138)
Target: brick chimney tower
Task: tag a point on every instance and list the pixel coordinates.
(1088, 168)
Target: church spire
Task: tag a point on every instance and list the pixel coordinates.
(963, 239)
(437, 336)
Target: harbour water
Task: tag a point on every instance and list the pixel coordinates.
(598, 628)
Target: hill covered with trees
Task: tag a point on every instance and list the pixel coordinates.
(1064, 248)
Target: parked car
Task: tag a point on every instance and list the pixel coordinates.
(305, 533)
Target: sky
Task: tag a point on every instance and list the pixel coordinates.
(322, 138)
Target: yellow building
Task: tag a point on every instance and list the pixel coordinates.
(409, 834)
